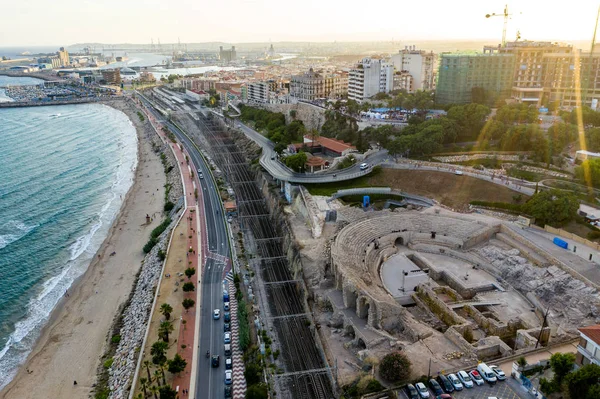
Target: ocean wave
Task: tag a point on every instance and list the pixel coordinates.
(12, 231)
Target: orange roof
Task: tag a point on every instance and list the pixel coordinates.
(592, 332)
(315, 161)
(331, 144)
(229, 205)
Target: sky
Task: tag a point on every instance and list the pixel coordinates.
(65, 22)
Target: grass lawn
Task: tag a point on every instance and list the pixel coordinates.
(449, 189)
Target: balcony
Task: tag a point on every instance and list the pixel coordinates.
(588, 355)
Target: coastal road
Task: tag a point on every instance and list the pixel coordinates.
(216, 252)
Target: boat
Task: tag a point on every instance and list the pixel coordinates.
(55, 115)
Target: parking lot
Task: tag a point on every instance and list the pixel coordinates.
(509, 389)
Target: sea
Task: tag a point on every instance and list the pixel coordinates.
(64, 173)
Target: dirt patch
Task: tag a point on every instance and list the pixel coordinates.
(451, 190)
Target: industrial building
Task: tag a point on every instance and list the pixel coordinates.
(369, 77)
(112, 76)
(227, 55)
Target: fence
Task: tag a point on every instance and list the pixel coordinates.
(571, 236)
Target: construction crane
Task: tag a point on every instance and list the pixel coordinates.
(505, 14)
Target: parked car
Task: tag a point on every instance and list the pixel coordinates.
(228, 364)
(465, 379)
(228, 392)
(227, 349)
(226, 306)
(445, 383)
(458, 386)
(227, 337)
(411, 392)
(499, 373)
(444, 396)
(435, 387)
(487, 373)
(226, 327)
(227, 317)
(476, 377)
(422, 389)
(215, 361)
(216, 314)
(228, 377)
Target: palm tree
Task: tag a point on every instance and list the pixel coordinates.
(144, 383)
(155, 389)
(165, 310)
(157, 376)
(162, 373)
(147, 364)
(166, 327)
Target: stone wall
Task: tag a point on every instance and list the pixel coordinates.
(439, 307)
(312, 117)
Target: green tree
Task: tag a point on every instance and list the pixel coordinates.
(188, 303)
(154, 388)
(562, 364)
(165, 328)
(166, 392)
(157, 351)
(177, 364)
(479, 95)
(188, 287)
(166, 310)
(296, 162)
(592, 139)
(189, 272)
(583, 383)
(395, 367)
(553, 207)
(147, 364)
(257, 391)
(253, 373)
(589, 172)
(144, 384)
(470, 119)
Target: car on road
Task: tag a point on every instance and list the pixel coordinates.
(228, 377)
(445, 383)
(458, 386)
(226, 306)
(458, 173)
(200, 175)
(226, 327)
(422, 389)
(215, 361)
(216, 314)
(228, 392)
(499, 373)
(411, 392)
(487, 373)
(476, 377)
(272, 157)
(227, 317)
(227, 337)
(228, 364)
(465, 379)
(435, 387)
(227, 349)
(364, 166)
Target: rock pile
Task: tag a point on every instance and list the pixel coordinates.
(570, 300)
(135, 320)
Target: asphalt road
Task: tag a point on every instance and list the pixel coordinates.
(270, 161)
(210, 381)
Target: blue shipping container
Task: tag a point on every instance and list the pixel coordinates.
(560, 243)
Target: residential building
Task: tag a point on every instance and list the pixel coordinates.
(403, 80)
(419, 64)
(200, 84)
(227, 55)
(312, 85)
(588, 350)
(63, 55)
(112, 76)
(257, 92)
(324, 145)
(369, 77)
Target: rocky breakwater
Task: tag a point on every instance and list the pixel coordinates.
(135, 320)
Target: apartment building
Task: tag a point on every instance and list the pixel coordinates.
(257, 92)
(420, 65)
(369, 77)
(199, 84)
(313, 85)
(588, 350)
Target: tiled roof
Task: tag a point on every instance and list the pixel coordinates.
(592, 332)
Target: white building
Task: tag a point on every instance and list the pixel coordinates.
(369, 77)
(419, 64)
(588, 350)
(258, 92)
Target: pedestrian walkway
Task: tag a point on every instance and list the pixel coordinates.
(239, 382)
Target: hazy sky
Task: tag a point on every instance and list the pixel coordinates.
(64, 22)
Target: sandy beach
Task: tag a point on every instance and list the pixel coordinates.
(71, 344)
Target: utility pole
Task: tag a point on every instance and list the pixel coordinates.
(543, 325)
(591, 78)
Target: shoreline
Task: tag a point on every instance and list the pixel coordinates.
(74, 338)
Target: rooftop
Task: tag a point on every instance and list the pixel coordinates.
(592, 332)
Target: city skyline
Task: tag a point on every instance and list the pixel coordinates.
(332, 20)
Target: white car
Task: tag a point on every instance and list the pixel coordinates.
(499, 373)
(458, 173)
(228, 377)
(216, 314)
(476, 377)
(422, 390)
(364, 166)
(226, 306)
(465, 379)
(227, 338)
(458, 386)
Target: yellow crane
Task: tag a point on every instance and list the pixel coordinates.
(505, 14)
